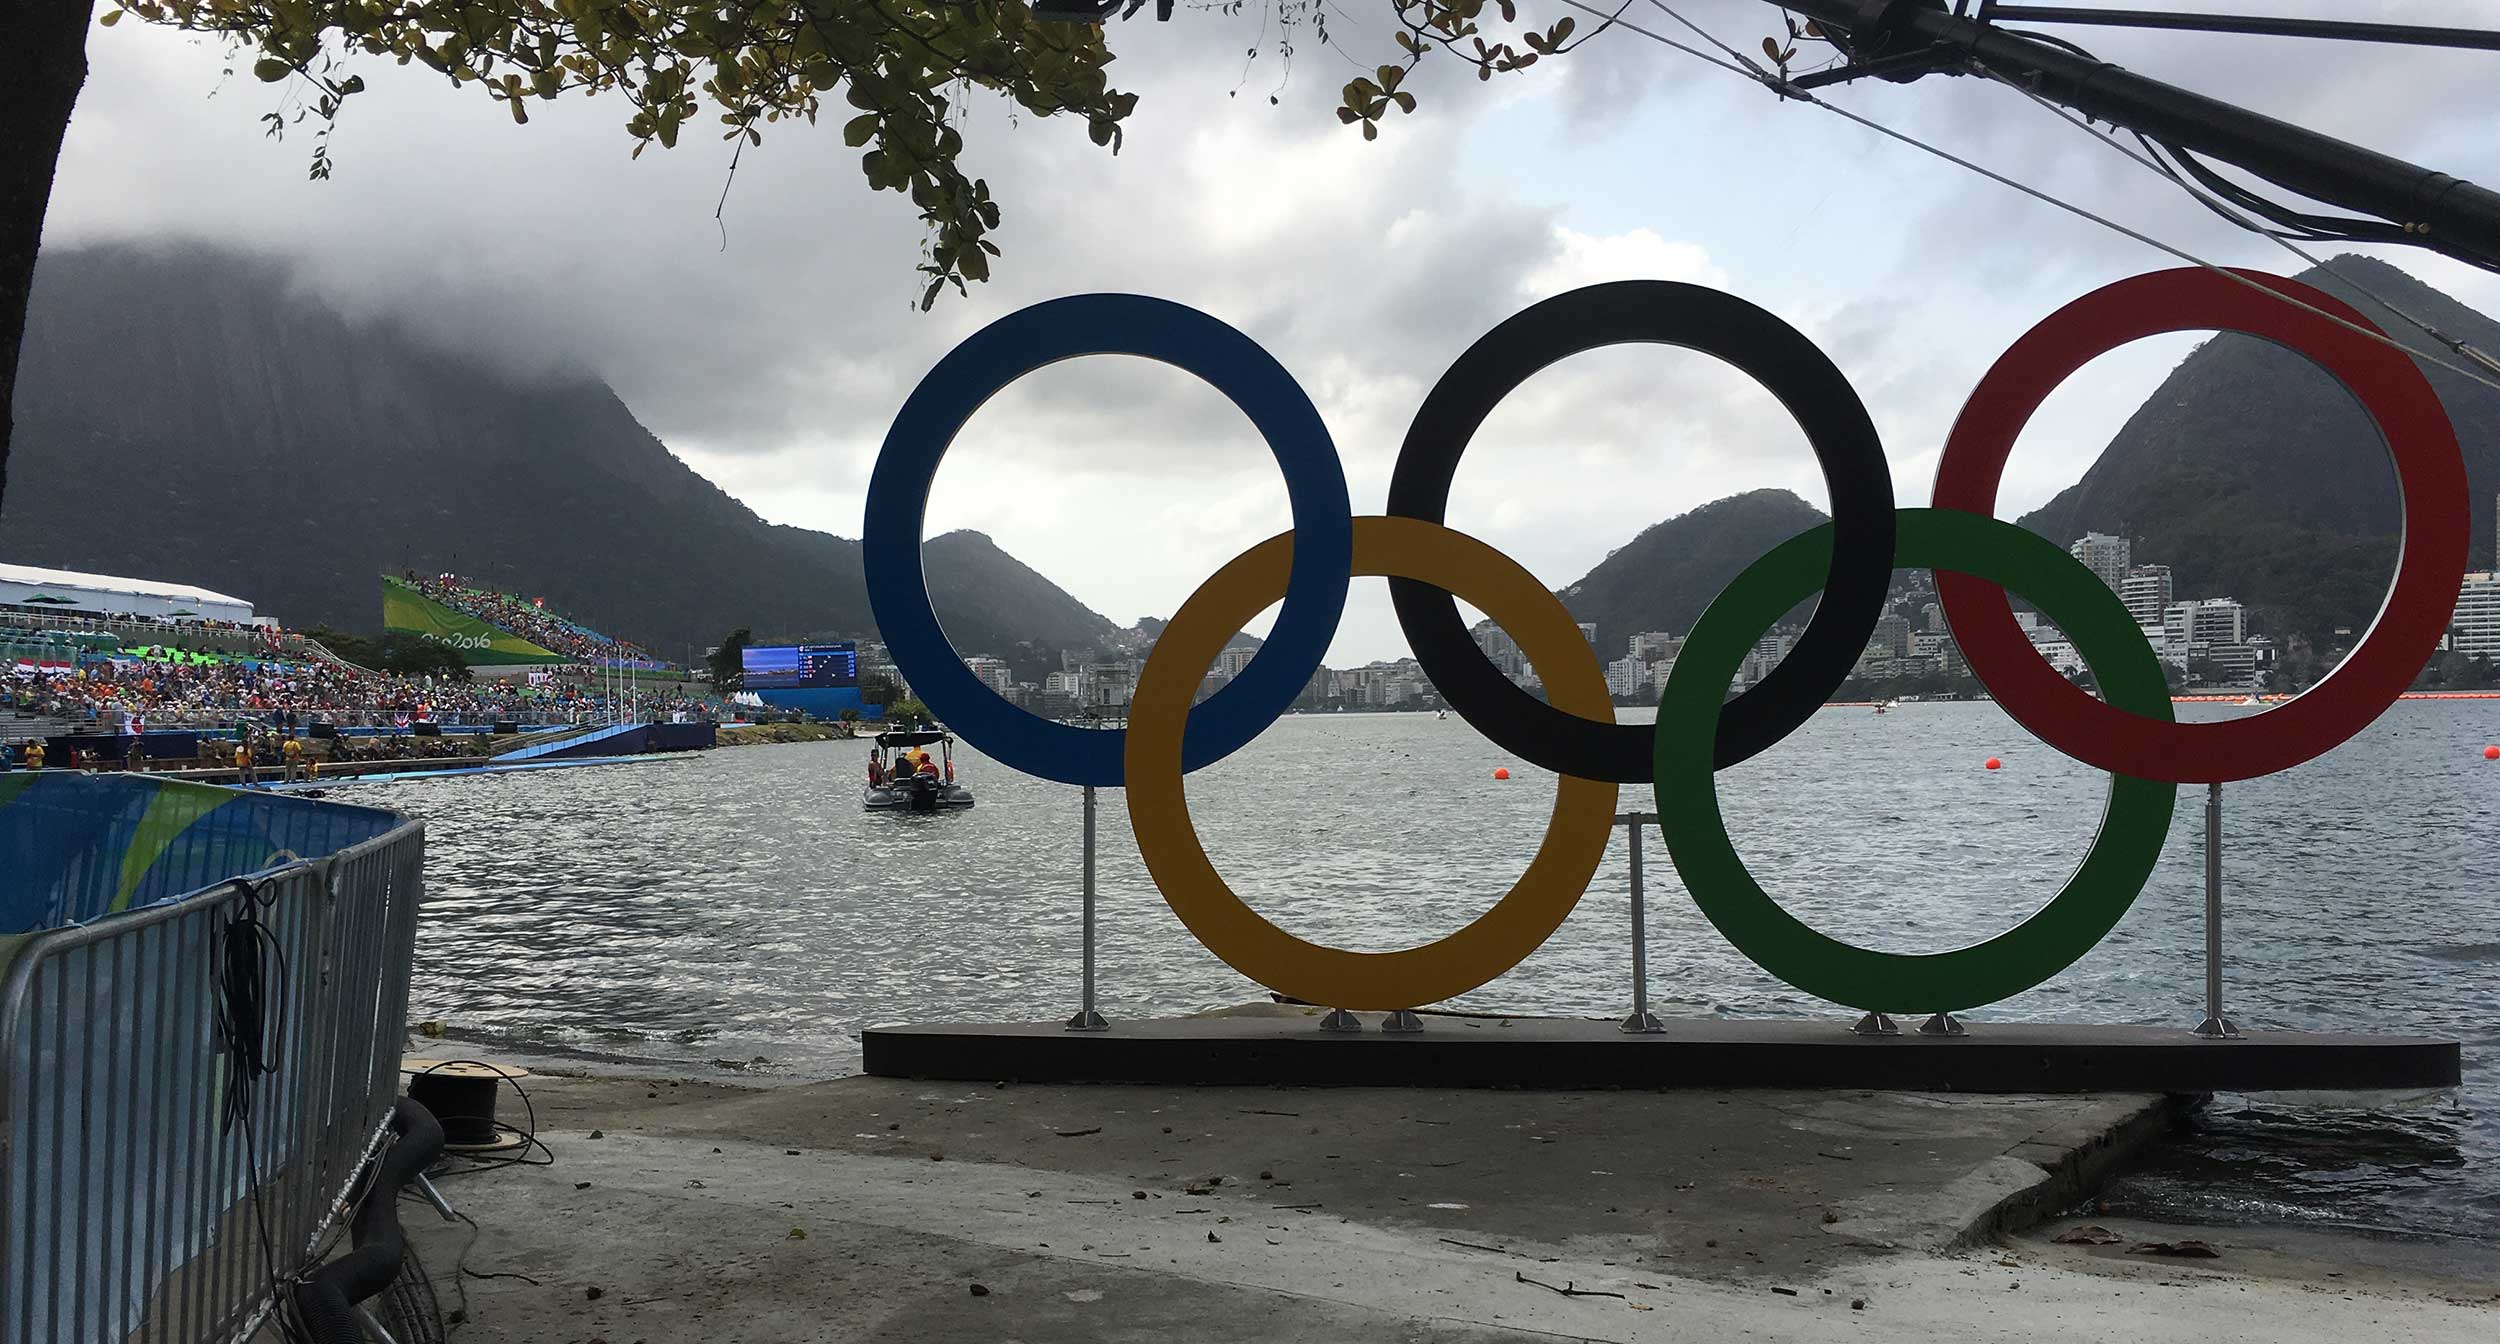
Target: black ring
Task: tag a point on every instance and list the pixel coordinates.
(1774, 354)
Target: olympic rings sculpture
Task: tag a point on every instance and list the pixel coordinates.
(1977, 561)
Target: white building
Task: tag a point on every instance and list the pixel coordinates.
(1652, 645)
(2229, 667)
(992, 672)
(67, 592)
(1107, 687)
(1627, 675)
(2106, 556)
(2147, 593)
(1766, 654)
(1501, 648)
(2169, 650)
(2211, 620)
(2062, 655)
(2476, 628)
(1939, 646)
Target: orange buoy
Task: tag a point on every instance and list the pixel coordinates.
(2491, 753)
(1995, 764)
(1501, 772)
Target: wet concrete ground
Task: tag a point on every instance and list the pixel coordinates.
(870, 1209)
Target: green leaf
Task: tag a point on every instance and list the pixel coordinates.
(110, 18)
(859, 130)
(269, 69)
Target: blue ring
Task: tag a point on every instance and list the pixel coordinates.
(1106, 324)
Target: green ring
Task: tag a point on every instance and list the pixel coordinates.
(2133, 826)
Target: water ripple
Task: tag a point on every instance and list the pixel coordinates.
(740, 905)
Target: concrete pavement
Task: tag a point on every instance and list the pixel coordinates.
(868, 1209)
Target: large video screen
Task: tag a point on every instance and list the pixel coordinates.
(783, 667)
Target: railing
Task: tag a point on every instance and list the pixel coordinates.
(154, 1182)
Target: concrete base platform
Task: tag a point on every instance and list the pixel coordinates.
(1570, 1054)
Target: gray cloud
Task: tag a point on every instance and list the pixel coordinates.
(775, 363)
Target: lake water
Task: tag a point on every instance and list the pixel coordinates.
(738, 910)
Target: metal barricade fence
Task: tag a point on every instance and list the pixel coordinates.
(149, 1189)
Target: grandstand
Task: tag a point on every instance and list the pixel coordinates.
(90, 665)
(32, 637)
(495, 629)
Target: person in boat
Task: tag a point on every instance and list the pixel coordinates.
(926, 767)
(876, 773)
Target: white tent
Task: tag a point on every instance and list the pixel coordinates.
(75, 594)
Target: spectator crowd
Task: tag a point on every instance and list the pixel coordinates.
(169, 688)
(530, 619)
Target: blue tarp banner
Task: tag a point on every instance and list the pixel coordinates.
(80, 846)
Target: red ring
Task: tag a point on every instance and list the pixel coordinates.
(2430, 477)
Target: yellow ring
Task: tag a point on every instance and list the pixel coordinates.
(1575, 836)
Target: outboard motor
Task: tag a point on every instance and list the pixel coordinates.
(924, 793)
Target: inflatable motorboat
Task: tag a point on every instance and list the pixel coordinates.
(904, 777)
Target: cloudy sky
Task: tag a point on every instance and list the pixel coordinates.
(772, 359)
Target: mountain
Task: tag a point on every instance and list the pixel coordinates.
(2254, 475)
(188, 415)
(1663, 578)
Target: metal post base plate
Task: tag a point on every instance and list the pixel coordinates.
(1087, 1019)
(1877, 1024)
(1943, 1024)
(2218, 1029)
(1403, 1020)
(1642, 1023)
(1339, 1019)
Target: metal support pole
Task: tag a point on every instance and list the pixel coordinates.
(1641, 1021)
(2450, 216)
(1086, 1018)
(2412, 35)
(434, 1197)
(2215, 1027)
